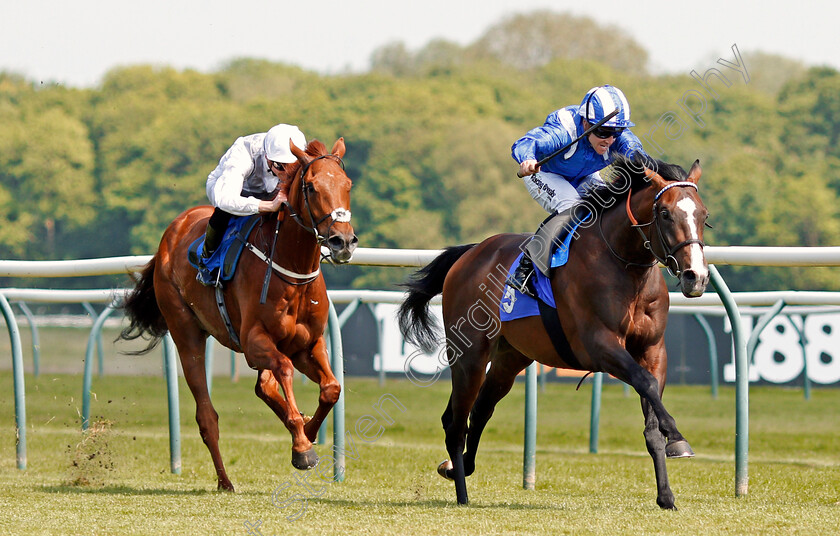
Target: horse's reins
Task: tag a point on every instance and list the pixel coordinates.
(669, 252)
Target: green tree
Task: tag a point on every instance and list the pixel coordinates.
(46, 181)
(531, 40)
(770, 72)
(810, 106)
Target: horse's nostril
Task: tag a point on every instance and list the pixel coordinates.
(689, 275)
(354, 240)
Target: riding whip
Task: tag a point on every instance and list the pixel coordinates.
(585, 133)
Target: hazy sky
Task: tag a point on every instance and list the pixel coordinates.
(75, 42)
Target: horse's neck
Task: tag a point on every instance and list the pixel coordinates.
(297, 249)
(624, 239)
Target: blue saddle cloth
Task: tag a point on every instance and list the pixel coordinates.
(515, 305)
(226, 256)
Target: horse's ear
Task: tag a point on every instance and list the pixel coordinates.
(299, 154)
(339, 148)
(655, 178)
(695, 172)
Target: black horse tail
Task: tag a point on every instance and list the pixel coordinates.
(141, 308)
(416, 324)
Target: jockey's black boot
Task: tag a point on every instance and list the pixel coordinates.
(522, 277)
(212, 239)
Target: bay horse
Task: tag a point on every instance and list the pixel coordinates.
(612, 303)
(278, 336)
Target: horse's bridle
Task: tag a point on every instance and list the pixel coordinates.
(668, 258)
(340, 214)
(669, 252)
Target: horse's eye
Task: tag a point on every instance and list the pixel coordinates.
(309, 188)
(665, 214)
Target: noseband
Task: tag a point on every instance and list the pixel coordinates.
(339, 214)
(669, 251)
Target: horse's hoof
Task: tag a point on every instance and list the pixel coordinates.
(679, 449)
(445, 465)
(305, 460)
(306, 418)
(225, 486)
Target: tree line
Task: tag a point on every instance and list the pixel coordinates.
(101, 171)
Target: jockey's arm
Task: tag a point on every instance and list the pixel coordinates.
(273, 205)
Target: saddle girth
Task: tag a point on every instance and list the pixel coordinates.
(551, 323)
(220, 302)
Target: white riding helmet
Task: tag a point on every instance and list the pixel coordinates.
(276, 143)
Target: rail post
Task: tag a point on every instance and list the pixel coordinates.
(529, 464)
(20, 389)
(171, 373)
(742, 384)
(36, 341)
(713, 357)
(337, 363)
(88, 373)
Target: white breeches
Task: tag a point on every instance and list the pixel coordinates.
(555, 194)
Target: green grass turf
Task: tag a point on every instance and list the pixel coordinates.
(117, 481)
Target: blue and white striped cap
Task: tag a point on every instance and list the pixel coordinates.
(600, 101)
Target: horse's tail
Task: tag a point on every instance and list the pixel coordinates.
(417, 325)
(141, 308)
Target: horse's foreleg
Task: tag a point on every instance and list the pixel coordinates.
(659, 424)
(621, 365)
(649, 389)
(269, 384)
(655, 442)
(317, 368)
(274, 387)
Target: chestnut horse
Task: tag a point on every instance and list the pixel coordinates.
(612, 303)
(284, 333)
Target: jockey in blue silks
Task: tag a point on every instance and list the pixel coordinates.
(560, 183)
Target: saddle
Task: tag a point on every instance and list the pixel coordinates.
(221, 266)
(549, 248)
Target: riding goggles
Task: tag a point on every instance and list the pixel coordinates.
(606, 132)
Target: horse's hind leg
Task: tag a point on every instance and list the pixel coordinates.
(191, 344)
(505, 366)
(191, 340)
(467, 376)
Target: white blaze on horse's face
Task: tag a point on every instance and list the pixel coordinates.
(695, 255)
(696, 259)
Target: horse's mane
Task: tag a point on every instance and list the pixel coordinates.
(316, 148)
(624, 169)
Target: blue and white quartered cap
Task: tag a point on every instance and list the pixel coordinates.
(601, 101)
